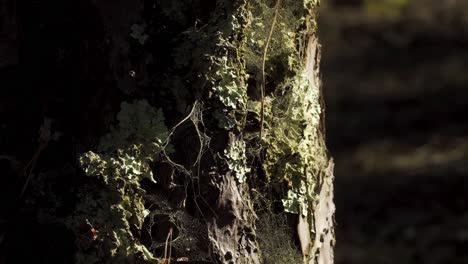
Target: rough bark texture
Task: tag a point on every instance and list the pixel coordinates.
(324, 210)
(179, 171)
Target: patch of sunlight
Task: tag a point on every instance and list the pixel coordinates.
(391, 156)
(381, 9)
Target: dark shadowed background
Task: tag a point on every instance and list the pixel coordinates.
(395, 74)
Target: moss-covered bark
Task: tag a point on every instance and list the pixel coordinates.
(215, 68)
(217, 151)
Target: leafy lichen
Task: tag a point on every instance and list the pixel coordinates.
(294, 148)
(293, 144)
(226, 72)
(236, 158)
(123, 160)
(226, 86)
(287, 44)
(309, 4)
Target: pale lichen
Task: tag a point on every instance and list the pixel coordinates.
(226, 72)
(293, 143)
(293, 148)
(115, 206)
(236, 158)
(226, 85)
(287, 44)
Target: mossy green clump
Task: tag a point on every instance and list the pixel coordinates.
(107, 215)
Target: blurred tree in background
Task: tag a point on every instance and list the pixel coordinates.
(396, 76)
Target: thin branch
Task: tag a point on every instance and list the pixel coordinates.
(265, 51)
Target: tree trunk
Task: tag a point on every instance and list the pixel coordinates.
(217, 152)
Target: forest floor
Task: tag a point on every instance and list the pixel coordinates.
(396, 98)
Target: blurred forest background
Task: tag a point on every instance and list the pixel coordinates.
(396, 74)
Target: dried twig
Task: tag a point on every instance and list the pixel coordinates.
(44, 138)
(168, 247)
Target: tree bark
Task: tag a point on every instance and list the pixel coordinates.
(217, 152)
